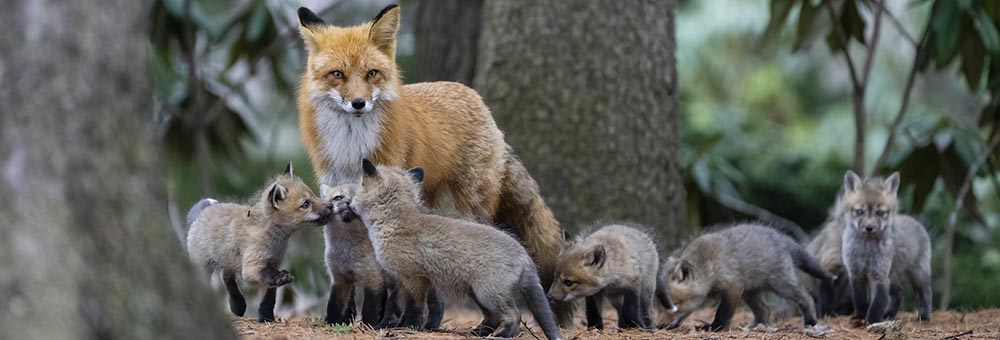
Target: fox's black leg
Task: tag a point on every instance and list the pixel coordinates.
(266, 311)
(593, 310)
(435, 311)
(370, 310)
(237, 303)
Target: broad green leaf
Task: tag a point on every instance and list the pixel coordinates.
(807, 27)
(779, 14)
(973, 62)
(988, 32)
(944, 28)
(852, 22)
(259, 17)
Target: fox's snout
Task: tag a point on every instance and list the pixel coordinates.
(358, 103)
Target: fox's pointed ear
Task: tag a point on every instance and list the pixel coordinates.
(852, 182)
(288, 170)
(891, 184)
(383, 30)
(417, 174)
(597, 256)
(308, 19)
(308, 22)
(277, 194)
(369, 168)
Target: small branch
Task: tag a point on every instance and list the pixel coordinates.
(761, 214)
(953, 216)
(897, 23)
(845, 40)
(903, 105)
(873, 45)
(957, 335)
(529, 330)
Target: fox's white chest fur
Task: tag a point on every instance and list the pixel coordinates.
(345, 138)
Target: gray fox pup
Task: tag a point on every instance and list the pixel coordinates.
(249, 241)
(740, 263)
(450, 256)
(880, 246)
(618, 263)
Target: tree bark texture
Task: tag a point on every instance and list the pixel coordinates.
(586, 93)
(447, 36)
(86, 249)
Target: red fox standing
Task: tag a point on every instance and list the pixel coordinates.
(353, 105)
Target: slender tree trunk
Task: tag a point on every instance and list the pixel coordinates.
(447, 34)
(85, 244)
(586, 92)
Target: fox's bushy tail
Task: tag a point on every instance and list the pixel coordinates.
(196, 210)
(806, 262)
(661, 289)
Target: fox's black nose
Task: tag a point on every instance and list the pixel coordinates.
(869, 228)
(358, 103)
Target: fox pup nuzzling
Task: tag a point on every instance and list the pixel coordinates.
(250, 241)
(451, 256)
(881, 246)
(740, 263)
(616, 262)
(353, 104)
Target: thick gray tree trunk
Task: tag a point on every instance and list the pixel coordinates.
(447, 36)
(86, 250)
(586, 92)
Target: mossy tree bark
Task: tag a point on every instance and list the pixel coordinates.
(447, 40)
(86, 249)
(586, 93)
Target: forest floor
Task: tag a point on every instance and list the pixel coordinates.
(946, 325)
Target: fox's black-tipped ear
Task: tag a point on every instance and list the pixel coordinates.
(277, 194)
(369, 168)
(288, 170)
(598, 256)
(309, 19)
(852, 182)
(383, 30)
(417, 174)
(891, 184)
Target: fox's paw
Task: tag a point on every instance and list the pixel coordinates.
(283, 277)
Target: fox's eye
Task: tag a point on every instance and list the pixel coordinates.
(305, 205)
(372, 73)
(881, 213)
(337, 74)
(338, 197)
(859, 212)
(569, 283)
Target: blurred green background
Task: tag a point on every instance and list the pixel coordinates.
(765, 95)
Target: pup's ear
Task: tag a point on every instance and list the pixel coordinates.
(383, 30)
(891, 184)
(598, 256)
(288, 170)
(852, 182)
(324, 189)
(417, 174)
(277, 194)
(369, 168)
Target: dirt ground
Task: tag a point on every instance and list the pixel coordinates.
(946, 325)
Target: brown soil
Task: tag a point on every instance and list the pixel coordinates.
(946, 325)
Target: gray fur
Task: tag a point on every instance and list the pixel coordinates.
(197, 208)
(881, 247)
(453, 257)
(739, 263)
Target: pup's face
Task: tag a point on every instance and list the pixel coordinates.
(578, 272)
(685, 287)
(341, 196)
(869, 205)
(288, 201)
(387, 188)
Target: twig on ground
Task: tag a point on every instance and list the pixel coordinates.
(525, 324)
(957, 335)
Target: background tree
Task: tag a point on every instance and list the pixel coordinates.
(447, 35)
(586, 93)
(86, 247)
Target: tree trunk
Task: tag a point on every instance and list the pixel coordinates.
(85, 244)
(586, 92)
(447, 35)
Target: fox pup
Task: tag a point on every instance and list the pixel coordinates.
(250, 241)
(615, 262)
(353, 104)
(451, 256)
(880, 246)
(740, 263)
